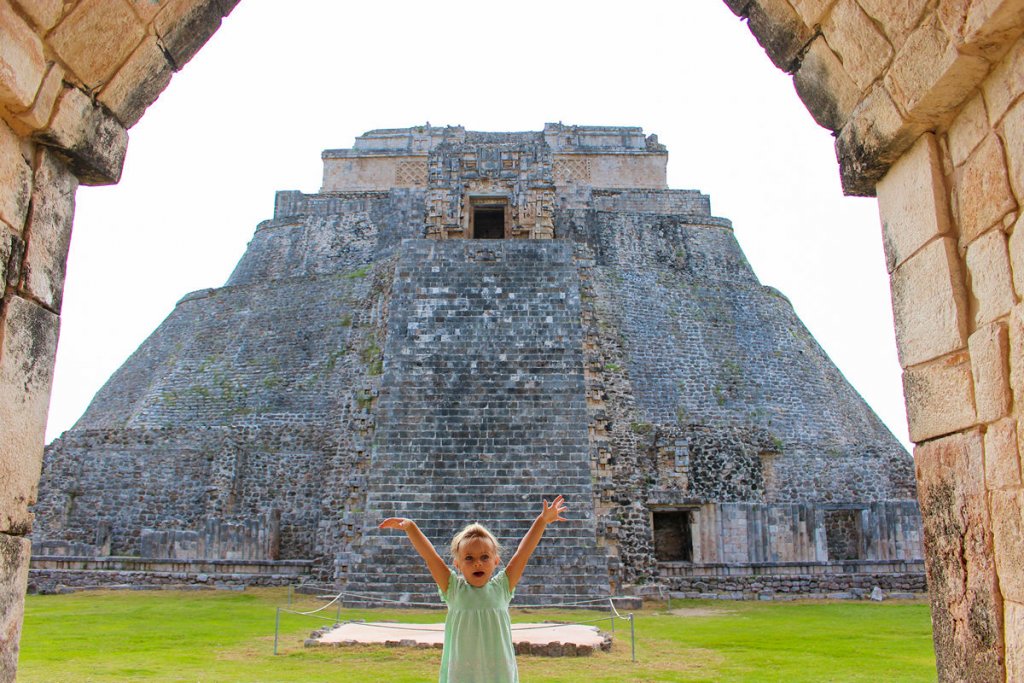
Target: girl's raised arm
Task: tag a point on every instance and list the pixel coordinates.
(438, 569)
(550, 513)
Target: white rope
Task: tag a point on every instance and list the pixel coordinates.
(319, 609)
(611, 603)
(377, 598)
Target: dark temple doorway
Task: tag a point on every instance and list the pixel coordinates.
(673, 541)
(489, 222)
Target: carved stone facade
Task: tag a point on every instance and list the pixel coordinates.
(513, 178)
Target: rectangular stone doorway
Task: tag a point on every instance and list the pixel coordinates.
(673, 540)
(843, 536)
(488, 219)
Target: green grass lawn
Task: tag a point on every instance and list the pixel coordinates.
(210, 636)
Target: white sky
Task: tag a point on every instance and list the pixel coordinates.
(281, 81)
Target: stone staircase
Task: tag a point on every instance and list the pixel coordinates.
(482, 414)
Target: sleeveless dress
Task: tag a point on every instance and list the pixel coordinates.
(478, 632)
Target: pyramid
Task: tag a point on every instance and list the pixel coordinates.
(457, 326)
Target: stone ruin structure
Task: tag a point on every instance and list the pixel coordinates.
(461, 323)
(926, 102)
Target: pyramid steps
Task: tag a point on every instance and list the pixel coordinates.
(483, 415)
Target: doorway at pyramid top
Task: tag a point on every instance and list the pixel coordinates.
(488, 218)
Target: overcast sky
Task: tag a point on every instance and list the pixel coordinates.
(279, 82)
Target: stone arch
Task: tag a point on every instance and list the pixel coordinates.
(924, 98)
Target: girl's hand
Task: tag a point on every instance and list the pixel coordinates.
(553, 512)
(396, 523)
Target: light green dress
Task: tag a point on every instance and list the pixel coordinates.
(478, 632)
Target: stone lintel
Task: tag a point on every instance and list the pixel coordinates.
(88, 136)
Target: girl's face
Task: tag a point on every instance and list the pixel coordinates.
(477, 561)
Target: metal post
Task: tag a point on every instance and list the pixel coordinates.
(337, 617)
(277, 628)
(611, 611)
(632, 635)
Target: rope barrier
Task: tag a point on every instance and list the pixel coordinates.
(337, 599)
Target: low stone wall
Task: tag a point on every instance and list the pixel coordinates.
(847, 580)
(54, 573)
(669, 570)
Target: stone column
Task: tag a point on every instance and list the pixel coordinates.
(73, 77)
(925, 99)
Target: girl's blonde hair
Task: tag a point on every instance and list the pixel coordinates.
(474, 530)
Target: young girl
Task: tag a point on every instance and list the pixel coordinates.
(477, 631)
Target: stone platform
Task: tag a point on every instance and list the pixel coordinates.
(548, 639)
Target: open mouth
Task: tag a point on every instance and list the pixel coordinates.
(478, 574)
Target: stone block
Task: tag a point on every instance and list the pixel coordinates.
(22, 64)
(968, 129)
(982, 190)
(38, 115)
(1016, 248)
(6, 244)
(1008, 529)
(982, 27)
(14, 559)
(929, 303)
(1013, 143)
(989, 347)
(93, 141)
(991, 281)
(912, 202)
(864, 50)
(738, 7)
(184, 26)
(146, 9)
(26, 373)
(138, 83)
(43, 13)
(939, 397)
(811, 11)
(1002, 455)
(1016, 338)
(874, 137)
(1005, 82)
(896, 17)
(49, 229)
(95, 38)
(960, 562)
(1013, 625)
(827, 91)
(15, 178)
(929, 78)
(779, 31)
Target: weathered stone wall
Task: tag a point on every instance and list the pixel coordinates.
(839, 582)
(134, 481)
(704, 388)
(689, 202)
(925, 99)
(73, 77)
